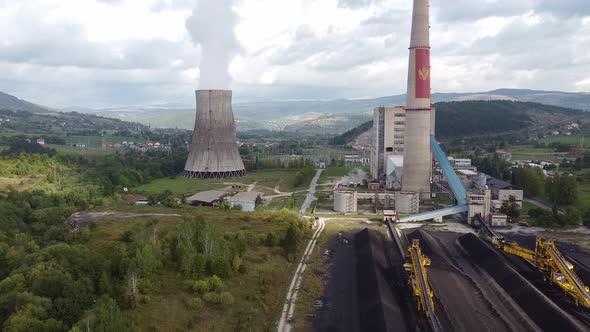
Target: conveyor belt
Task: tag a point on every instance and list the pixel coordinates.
(425, 291)
(571, 276)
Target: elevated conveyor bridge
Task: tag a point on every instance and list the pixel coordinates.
(455, 184)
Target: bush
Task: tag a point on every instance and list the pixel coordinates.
(201, 286)
(224, 298)
(270, 240)
(215, 284)
(220, 266)
(195, 303)
(236, 264)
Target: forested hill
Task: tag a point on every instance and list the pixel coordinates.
(26, 122)
(469, 118)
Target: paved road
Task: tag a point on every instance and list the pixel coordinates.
(311, 194)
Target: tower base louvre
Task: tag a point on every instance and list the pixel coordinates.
(214, 175)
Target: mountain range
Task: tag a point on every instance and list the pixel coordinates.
(328, 117)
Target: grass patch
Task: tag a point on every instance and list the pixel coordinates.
(290, 203)
(527, 152)
(96, 141)
(265, 181)
(571, 140)
(335, 173)
(526, 207)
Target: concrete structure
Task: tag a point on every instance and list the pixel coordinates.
(345, 201)
(214, 151)
(504, 191)
(407, 202)
(498, 219)
(246, 200)
(460, 162)
(479, 204)
(419, 111)
(207, 198)
(389, 125)
(394, 171)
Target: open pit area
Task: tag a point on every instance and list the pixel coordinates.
(476, 287)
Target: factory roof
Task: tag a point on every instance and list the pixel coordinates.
(245, 196)
(498, 184)
(467, 172)
(207, 196)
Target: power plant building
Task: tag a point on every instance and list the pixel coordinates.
(389, 126)
(214, 150)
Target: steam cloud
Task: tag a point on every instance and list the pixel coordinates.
(212, 27)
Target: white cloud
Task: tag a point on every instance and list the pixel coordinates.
(103, 52)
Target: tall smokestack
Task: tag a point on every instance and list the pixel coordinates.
(214, 152)
(417, 150)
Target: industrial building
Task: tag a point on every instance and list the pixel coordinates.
(211, 198)
(246, 200)
(345, 201)
(214, 150)
(389, 125)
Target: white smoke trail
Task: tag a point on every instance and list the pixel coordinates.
(212, 27)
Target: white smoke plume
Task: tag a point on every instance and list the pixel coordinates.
(212, 27)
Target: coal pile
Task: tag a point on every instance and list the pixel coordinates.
(545, 313)
(379, 309)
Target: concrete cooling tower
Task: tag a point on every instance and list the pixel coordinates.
(214, 151)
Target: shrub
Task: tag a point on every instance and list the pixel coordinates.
(224, 298)
(236, 264)
(215, 284)
(195, 303)
(201, 286)
(219, 266)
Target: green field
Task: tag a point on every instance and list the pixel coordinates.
(90, 151)
(96, 141)
(527, 152)
(573, 140)
(335, 173)
(258, 291)
(526, 207)
(266, 182)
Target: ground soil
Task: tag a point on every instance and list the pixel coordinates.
(79, 220)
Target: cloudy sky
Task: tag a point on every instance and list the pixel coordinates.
(100, 53)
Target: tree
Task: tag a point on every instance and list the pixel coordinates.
(290, 243)
(510, 209)
(107, 317)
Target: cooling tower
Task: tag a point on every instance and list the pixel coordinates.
(419, 113)
(214, 151)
